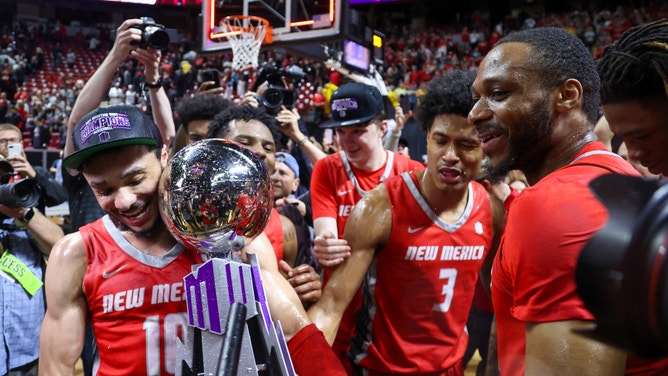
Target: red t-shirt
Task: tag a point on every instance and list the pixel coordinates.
(533, 277)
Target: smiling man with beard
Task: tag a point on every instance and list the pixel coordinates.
(124, 272)
(536, 101)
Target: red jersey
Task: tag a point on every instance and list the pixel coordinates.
(136, 301)
(274, 231)
(418, 290)
(336, 186)
(533, 277)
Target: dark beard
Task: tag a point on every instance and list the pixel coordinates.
(528, 147)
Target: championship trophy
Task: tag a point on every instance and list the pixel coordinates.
(215, 194)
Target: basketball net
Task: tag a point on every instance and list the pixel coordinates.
(246, 34)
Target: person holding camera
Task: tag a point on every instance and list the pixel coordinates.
(634, 96)
(52, 193)
(26, 238)
(83, 205)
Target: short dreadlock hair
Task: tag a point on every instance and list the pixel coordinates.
(636, 65)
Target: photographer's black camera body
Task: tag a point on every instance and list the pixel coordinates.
(277, 94)
(622, 272)
(274, 97)
(153, 34)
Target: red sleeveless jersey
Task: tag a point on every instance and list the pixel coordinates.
(274, 231)
(136, 302)
(419, 289)
(336, 186)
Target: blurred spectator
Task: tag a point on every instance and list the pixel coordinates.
(41, 133)
(71, 58)
(116, 94)
(131, 95)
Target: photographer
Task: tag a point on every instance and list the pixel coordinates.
(52, 193)
(26, 236)
(83, 205)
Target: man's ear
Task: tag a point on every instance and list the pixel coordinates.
(383, 127)
(569, 95)
(295, 185)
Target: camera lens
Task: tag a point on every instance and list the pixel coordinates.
(24, 193)
(156, 37)
(272, 99)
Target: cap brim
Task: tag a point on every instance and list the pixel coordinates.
(76, 159)
(347, 123)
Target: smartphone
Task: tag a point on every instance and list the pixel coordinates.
(211, 75)
(405, 103)
(14, 150)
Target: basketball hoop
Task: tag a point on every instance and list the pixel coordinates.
(246, 35)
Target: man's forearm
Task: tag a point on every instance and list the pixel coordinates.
(162, 114)
(92, 94)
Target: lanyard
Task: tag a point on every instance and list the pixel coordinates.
(351, 174)
(17, 269)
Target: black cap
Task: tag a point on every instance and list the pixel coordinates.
(354, 103)
(108, 127)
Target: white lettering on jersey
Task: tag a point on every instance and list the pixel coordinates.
(344, 210)
(422, 253)
(448, 253)
(123, 300)
(168, 293)
(462, 252)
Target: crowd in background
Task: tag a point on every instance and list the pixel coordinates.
(43, 69)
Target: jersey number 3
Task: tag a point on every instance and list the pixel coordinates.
(448, 290)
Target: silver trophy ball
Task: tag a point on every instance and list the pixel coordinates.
(214, 194)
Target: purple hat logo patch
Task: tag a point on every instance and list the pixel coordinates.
(103, 124)
(343, 105)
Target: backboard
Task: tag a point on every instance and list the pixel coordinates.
(292, 21)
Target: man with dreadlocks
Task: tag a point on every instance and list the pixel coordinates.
(536, 100)
(634, 85)
(634, 95)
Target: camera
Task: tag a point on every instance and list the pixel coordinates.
(622, 272)
(24, 193)
(211, 75)
(153, 34)
(274, 97)
(276, 94)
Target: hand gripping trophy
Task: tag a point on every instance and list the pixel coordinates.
(215, 194)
